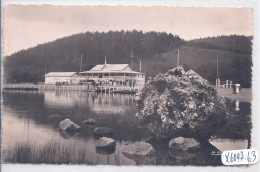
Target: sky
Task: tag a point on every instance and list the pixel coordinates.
(26, 26)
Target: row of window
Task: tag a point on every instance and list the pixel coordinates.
(113, 74)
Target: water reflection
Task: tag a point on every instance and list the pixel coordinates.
(25, 117)
(181, 155)
(99, 103)
(230, 144)
(237, 105)
(105, 151)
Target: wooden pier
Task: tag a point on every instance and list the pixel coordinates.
(20, 87)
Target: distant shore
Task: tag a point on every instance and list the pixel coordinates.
(245, 94)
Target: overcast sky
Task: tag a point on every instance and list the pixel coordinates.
(26, 26)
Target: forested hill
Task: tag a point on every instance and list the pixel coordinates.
(233, 43)
(156, 50)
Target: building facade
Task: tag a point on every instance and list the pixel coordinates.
(113, 74)
(61, 77)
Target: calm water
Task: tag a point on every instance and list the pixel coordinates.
(24, 119)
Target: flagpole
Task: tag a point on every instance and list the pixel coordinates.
(217, 66)
(178, 59)
(80, 62)
(140, 64)
(218, 82)
(131, 68)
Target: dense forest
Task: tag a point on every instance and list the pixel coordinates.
(156, 50)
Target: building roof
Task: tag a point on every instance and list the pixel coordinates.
(60, 74)
(111, 68)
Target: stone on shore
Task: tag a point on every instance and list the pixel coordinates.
(138, 150)
(68, 126)
(185, 144)
(89, 122)
(105, 143)
(103, 132)
(180, 103)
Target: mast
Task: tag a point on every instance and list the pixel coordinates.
(217, 66)
(178, 59)
(217, 80)
(105, 60)
(140, 64)
(131, 68)
(80, 67)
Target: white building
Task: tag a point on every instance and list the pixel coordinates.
(65, 77)
(114, 74)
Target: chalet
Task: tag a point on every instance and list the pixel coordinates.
(114, 74)
(62, 77)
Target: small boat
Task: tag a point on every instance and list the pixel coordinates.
(103, 90)
(124, 92)
(100, 90)
(91, 90)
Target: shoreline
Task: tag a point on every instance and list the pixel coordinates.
(245, 94)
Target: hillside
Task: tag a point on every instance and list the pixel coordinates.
(232, 43)
(158, 52)
(232, 66)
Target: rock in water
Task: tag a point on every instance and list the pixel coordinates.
(68, 126)
(103, 131)
(181, 103)
(185, 144)
(142, 153)
(138, 150)
(89, 122)
(105, 143)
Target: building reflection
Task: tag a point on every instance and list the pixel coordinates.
(237, 105)
(96, 102)
(58, 99)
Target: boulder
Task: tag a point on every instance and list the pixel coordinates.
(105, 143)
(138, 150)
(54, 116)
(180, 103)
(185, 144)
(103, 132)
(89, 122)
(68, 126)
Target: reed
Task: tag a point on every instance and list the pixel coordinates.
(53, 152)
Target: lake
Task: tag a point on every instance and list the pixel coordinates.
(29, 133)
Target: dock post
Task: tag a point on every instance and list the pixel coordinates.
(226, 83)
(237, 90)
